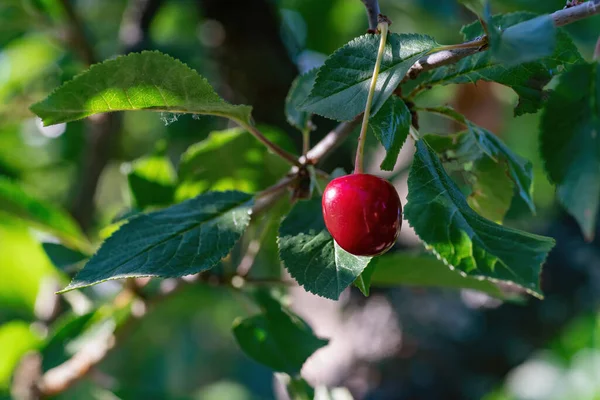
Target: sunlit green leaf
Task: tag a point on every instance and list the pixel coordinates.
(180, 240)
(24, 269)
(209, 164)
(138, 81)
(312, 257)
(17, 203)
(152, 180)
(440, 215)
(341, 88)
(570, 145)
(16, 338)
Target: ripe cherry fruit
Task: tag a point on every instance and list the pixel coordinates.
(363, 213)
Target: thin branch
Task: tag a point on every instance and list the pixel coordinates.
(105, 129)
(290, 158)
(373, 12)
(76, 36)
(597, 50)
(437, 60)
(576, 13)
(332, 140)
(446, 57)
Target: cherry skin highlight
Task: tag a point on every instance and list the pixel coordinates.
(363, 213)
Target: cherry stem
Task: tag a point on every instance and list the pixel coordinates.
(290, 158)
(597, 50)
(358, 164)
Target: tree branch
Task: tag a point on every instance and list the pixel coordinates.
(437, 60)
(372, 7)
(105, 129)
(572, 14)
(76, 34)
(332, 140)
(442, 58)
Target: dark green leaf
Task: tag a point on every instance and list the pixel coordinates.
(524, 42)
(397, 269)
(180, 240)
(298, 93)
(570, 145)
(391, 126)
(209, 164)
(62, 257)
(312, 257)
(468, 151)
(152, 180)
(527, 80)
(341, 88)
(440, 215)
(138, 81)
(363, 282)
(278, 339)
(18, 203)
(476, 6)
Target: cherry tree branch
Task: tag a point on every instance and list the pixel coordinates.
(437, 60)
(76, 34)
(372, 7)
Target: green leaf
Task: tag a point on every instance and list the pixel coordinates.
(440, 215)
(152, 180)
(138, 81)
(570, 145)
(394, 269)
(341, 88)
(62, 257)
(391, 126)
(184, 239)
(492, 192)
(253, 167)
(527, 80)
(24, 270)
(298, 93)
(278, 339)
(312, 257)
(299, 389)
(363, 282)
(477, 7)
(16, 339)
(524, 42)
(17, 203)
(476, 144)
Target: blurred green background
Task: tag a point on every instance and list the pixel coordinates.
(451, 344)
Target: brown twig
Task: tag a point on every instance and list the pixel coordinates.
(104, 129)
(373, 12)
(76, 34)
(446, 57)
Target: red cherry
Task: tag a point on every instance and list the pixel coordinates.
(363, 213)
